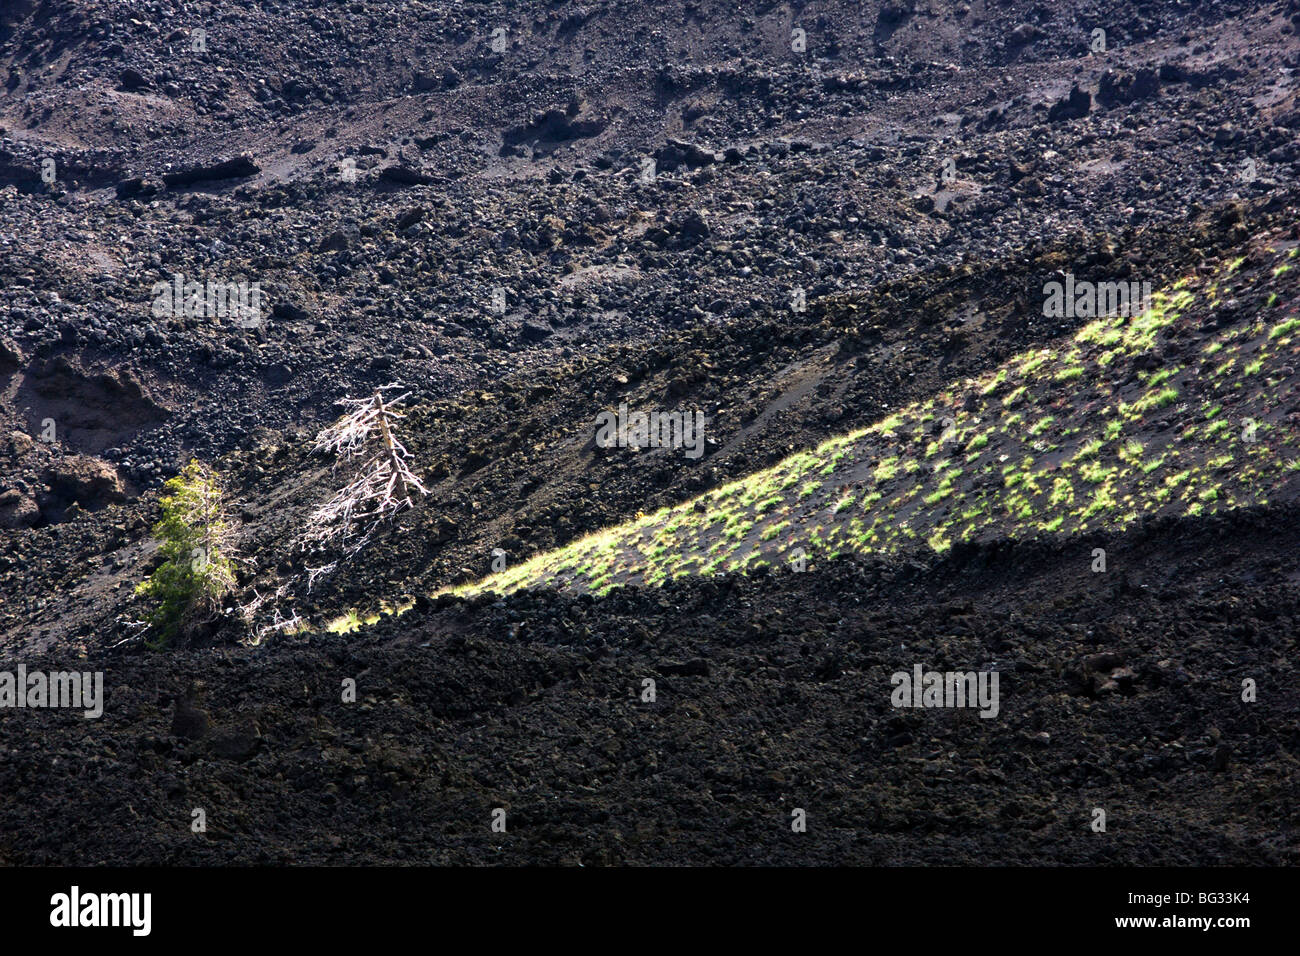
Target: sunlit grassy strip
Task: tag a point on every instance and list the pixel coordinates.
(896, 481)
(1026, 500)
(353, 620)
(582, 561)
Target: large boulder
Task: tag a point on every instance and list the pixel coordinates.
(1075, 106)
(18, 510)
(89, 482)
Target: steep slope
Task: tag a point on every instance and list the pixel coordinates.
(1189, 406)
(828, 227)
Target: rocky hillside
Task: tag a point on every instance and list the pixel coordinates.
(1173, 409)
(824, 233)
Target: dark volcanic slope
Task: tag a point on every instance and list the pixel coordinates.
(776, 171)
(1120, 691)
(651, 187)
(511, 465)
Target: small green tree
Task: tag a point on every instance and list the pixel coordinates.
(197, 570)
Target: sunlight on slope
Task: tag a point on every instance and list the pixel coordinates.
(1119, 421)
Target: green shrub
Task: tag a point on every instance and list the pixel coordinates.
(196, 572)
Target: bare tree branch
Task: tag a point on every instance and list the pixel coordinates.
(383, 483)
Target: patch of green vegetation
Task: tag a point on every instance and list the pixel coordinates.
(1103, 500)
(1130, 451)
(1158, 377)
(1104, 332)
(886, 469)
(1216, 428)
(1095, 474)
(1103, 466)
(350, 621)
(1041, 426)
(1015, 396)
(1155, 400)
(943, 491)
(774, 530)
(197, 572)
(888, 427)
(994, 382)
(1033, 364)
(1062, 494)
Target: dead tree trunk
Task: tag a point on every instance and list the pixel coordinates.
(383, 484)
(393, 457)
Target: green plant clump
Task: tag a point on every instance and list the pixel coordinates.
(196, 573)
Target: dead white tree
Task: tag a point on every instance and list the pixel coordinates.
(383, 483)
